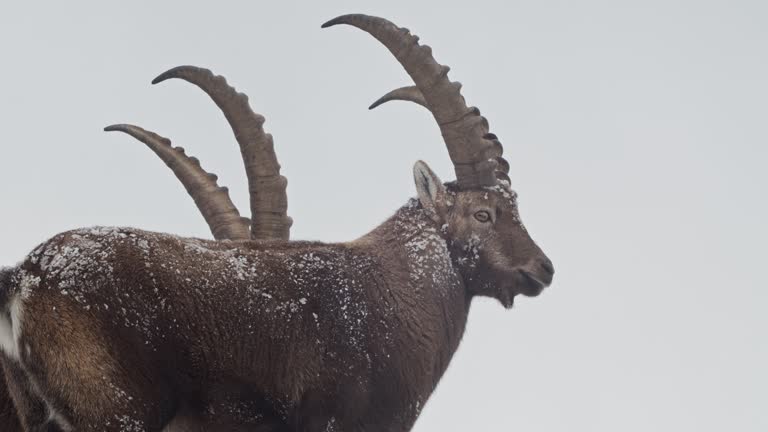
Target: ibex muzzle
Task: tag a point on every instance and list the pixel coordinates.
(118, 329)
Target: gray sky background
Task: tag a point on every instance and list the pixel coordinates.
(636, 133)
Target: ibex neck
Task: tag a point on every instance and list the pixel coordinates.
(411, 237)
(425, 284)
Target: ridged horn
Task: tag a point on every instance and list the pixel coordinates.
(213, 200)
(267, 188)
(474, 151)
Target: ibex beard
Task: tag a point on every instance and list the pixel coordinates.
(116, 327)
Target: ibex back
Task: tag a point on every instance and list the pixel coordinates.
(115, 329)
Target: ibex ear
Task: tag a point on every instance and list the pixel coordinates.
(432, 194)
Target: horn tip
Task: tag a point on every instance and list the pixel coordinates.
(331, 23)
(342, 19)
(120, 127)
(170, 73)
(160, 78)
(376, 104)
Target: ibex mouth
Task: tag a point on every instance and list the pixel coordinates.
(533, 286)
(522, 283)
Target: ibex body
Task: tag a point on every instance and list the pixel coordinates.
(113, 329)
(122, 327)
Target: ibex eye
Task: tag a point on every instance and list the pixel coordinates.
(483, 216)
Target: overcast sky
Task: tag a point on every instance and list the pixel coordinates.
(637, 134)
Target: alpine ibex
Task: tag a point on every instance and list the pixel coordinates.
(118, 329)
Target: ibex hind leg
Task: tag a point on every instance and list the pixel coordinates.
(31, 412)
(91, 381)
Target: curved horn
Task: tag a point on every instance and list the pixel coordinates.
(476, 154)
(409, 93)
(269, 203)
(213, 201)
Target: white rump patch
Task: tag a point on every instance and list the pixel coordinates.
(10, 328)
(6, 335)
(10, 319)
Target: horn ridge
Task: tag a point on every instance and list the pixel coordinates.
(212, 200)
(463, 135)
(269, 202)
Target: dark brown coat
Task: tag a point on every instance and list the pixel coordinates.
(9, 421)
(121, 329)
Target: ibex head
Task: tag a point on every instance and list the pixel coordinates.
(478, 212)
(487, 239)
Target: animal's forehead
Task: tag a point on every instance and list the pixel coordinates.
(499, 193)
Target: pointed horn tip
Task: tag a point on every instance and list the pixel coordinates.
(164, 76)
(408, 94)
(174, 72)
(345, 19)
(335, 21)
(330, 23)
(378, 102)
(120, 127)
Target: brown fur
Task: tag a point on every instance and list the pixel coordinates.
(9, 421)
(123, 330)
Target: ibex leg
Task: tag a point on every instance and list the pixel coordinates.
(91, 377)
(29, 409)
(9, 417)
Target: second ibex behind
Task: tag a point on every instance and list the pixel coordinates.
(119, 329)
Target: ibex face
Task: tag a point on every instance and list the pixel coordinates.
(488, 241)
